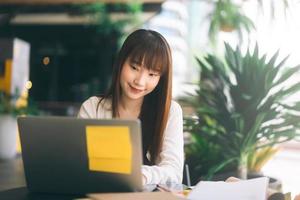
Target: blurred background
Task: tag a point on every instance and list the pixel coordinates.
(241, 110)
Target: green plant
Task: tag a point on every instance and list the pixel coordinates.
(257, 159)
(241, 106)
(201, 155)
(101, 16)
(227, 16)
(16, 105)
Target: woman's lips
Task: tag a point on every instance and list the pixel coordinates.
(135, 90)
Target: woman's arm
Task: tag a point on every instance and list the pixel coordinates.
(169, 167)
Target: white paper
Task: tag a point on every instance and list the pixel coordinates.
(252, 189)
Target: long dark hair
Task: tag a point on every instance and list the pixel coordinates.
(151, 49)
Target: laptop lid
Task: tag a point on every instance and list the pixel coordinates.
(56, 160)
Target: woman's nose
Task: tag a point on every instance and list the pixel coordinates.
(140, 79)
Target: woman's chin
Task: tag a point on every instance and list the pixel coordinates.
(134, 96)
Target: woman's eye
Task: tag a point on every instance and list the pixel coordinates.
(153, 74)
(134, 67)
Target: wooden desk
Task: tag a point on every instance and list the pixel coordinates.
(13, 185)
(23, 194)
(12, 174)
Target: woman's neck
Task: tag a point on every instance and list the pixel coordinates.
(129, 109)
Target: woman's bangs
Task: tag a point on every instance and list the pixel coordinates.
(153, 58)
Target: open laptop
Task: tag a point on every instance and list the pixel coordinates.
(55, 157)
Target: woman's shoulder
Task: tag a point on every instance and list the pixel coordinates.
(102, 101)
(91, 100)
(91, 103)
(175, 107)
(97, 101)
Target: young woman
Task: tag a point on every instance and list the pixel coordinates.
(141, 88)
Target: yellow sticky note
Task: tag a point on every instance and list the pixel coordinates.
(109, 149)
(110, 165)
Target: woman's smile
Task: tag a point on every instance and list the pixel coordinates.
(135, 90)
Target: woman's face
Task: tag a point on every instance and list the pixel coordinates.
(137, 81)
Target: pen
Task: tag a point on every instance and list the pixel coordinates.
(163, 188)
(188, 178)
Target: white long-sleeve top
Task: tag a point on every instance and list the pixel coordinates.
(169, 166)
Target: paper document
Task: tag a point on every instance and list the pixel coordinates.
(109, 149)
(252, 189)
(135, 196)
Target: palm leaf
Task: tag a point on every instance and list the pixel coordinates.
(238, 117)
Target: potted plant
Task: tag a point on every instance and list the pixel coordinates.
(241, 108)
(227, 16)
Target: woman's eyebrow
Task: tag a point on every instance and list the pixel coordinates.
(155, 70)
(135, 62)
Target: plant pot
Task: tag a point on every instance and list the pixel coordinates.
(8, 137)
(274, 183)
(227, 28)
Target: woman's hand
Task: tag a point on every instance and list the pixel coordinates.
(297, 197)
(232, 179)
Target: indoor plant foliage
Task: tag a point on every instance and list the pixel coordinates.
(241, 107)
(100, 16)
(15, 105)
(10, 105)
(227, 16)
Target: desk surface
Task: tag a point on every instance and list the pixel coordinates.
(12, 174)
(13, 184)
(23, 194)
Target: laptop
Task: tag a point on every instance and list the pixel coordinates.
(55, 156)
